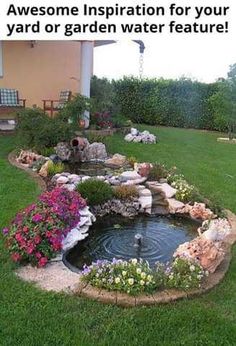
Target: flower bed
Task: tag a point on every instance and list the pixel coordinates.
(35, 235)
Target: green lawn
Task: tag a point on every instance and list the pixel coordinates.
(29, 316)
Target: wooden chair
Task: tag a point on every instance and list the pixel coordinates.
(56, 105)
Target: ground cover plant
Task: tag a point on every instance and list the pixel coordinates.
(95, 191)
(206, 320)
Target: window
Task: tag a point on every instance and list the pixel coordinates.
(1, 63)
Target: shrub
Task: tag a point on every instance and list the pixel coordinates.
(131, 277)
(54, 168)
(36, 234)
(158, 171)
(102, 120)
(74, 109)
(125, 192)
(185, 192)
(184, 274)
(36, 130)
(95, 191)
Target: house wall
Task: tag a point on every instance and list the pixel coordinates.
(43, 71)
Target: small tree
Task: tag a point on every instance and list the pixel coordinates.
(223, 103)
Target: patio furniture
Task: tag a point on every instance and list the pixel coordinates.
(56, 105)
(10, 103)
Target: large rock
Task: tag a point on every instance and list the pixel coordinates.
(167, 190)
(175, 206)
(43, 172)
(72, 238)
(63, 151)
(215, 230)
(206, 252)
(199, 211)
(130, 175)
(143, 168)
(145, 200)
(95, 151)
(116, 160)
(27, 157)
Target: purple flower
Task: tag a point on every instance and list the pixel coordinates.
(5, 231)
(37, 218)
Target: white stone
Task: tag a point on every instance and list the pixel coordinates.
(86, 177)
(129, 137)
(137, 139)
(70, 187)
(72, 238)
(174, 205)
(167, 189)
(62, 180)
(134, 132)
(135, 181)
(74, 178)
(145, 200)
(101, 178)
(130, 175)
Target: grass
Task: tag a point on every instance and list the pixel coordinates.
(29, 316)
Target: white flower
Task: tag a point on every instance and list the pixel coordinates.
(142, 283)
(130, 281)
(206, 272)
(138, 271)
(143, 275)
(134, 261)
(117, 280)
(149, 278)
(192, 268)
(124, 273)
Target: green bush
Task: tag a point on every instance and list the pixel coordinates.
(74, 109)
(95, 191)
(37, 131)
(54, 168)
(157, 172)
(125, 191)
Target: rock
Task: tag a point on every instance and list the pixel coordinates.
(215, 230)
(43, 172)
(114, 182)
(79, 142)
(159, 210)
(134, 132)
(70, 187)
(74, 178)
(129, 138)
(101, 178)
(199, 211)
(206, 252)
(72, 238)
(135, 181)
(145, 200)
(117, 160)
(137, 139)
(130, 175)
(86, 177)
(62, 180)
(143, 168)
(95, 151)
(168, 190)
(63, 151)
(175, 206)
(54, 158)
(27, 157)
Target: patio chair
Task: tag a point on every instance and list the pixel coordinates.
(56, 105)
(10, 103)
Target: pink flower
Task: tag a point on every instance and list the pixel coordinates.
(16, 257)
(5, 230)
(37, 239)
(37, 218)
(38, 255)
(19, 237)
(42, 261)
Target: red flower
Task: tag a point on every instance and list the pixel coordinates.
(38, 255)
(42, 261)
(18, 237)
(25, 229)
(37, 239)
(16, 257)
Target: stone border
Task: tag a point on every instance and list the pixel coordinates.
(44, 278)
(34, 175)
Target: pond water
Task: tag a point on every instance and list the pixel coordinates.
(114, 236)
(88, 168)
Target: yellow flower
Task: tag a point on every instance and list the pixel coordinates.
(149, 278)
(124, 273)
(134, 261)
(138, 271)
(143, 275)
(117, 280)
(130, 281)
(142, 283)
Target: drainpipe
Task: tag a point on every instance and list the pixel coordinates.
(141, 46)
(86, 73)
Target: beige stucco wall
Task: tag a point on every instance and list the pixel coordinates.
(43, 71)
